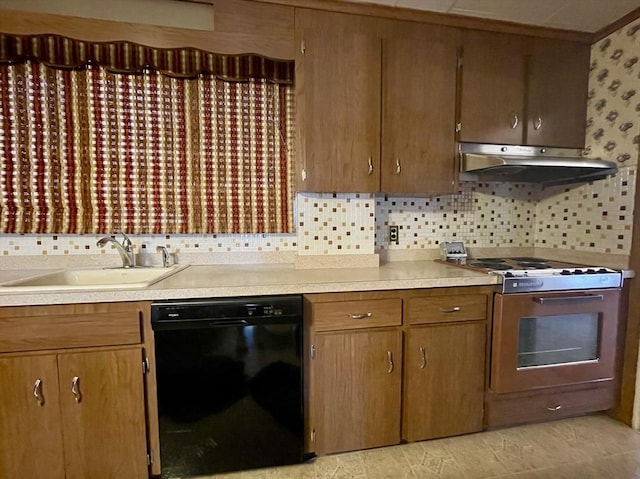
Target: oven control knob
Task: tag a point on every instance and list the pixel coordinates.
(602, 270)
(591, 271)
(565, 272)
(509, 274)
(578, 271)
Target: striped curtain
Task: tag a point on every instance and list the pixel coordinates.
(92, 151)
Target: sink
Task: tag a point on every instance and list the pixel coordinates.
(92, 278)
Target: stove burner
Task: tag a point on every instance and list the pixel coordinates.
(534, 264)
(526, 259)
(491, 265)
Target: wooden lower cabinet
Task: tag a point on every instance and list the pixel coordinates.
(394, 365)
(357, 383)
(30, 428)
(444, 373)
(71, 412)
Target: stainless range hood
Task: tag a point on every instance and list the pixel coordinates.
(530, 164)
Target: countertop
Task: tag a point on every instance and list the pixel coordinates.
(258, 279)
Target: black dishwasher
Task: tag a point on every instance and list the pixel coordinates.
(229, 374)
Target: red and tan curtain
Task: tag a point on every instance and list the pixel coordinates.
(92, 151)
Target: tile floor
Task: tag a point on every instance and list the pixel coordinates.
(592, 447)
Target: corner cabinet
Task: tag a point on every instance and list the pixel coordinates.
(392, 365)
(522, 90)
(73, 392)
(375, 104)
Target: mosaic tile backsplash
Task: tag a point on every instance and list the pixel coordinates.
(593, 217)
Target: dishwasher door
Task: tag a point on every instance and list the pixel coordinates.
(229, 376)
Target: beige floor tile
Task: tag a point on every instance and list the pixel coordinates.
(591, 447)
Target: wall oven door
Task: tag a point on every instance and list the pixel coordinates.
(551, 339)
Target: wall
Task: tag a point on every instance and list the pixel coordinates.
(592, 218)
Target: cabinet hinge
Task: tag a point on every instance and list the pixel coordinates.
(312, 352)
(303, 47)
(146, 366)
(459, 62)
(149, 459)
(458, 127)
(313, 435)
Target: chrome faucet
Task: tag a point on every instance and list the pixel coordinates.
(165, 255)
(125, 249)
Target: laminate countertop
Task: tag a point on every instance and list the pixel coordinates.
(209, 281)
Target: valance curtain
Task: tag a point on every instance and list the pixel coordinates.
(85, 148)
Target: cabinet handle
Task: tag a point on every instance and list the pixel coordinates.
(361, 315)
(370, 166)
(455, 309)
(537, 124)
(390, 361)
(514, 123)
(303, 174)
(554, 408)
(398, 169)
(75, 389)
(37, 392)
(423, 357)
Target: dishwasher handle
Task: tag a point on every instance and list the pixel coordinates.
(212, 323)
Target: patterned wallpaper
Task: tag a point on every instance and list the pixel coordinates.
(595, 217)
(613, 119)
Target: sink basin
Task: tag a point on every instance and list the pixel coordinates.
(93, 278)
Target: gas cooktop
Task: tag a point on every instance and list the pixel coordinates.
(527, 274)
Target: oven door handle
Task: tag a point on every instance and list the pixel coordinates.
(555, 299)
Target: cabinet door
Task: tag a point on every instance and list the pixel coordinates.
(30, 427)
(444, 391)
(418, 127)
(493, 88)
(557, 94)
(357, 381)
(103, 414)
(338, 75)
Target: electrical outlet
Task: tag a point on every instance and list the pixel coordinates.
(394, 234)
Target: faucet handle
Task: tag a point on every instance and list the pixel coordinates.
(126, 242)
(165, 255)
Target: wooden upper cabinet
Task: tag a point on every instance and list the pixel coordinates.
(557, 93)
(493, 88)
(523, 91)
(418, 109)
(338, 76)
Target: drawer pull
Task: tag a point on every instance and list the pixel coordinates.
(361, 315)
(455, 309)
(37, 392)
(390, 361)
(554, 408)
(423, 357)
(75, 389)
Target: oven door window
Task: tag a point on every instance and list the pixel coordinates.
(556, 340)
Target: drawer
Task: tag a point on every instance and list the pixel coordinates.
(448, 308)
(357, 314)
(539, 407)
(37, 331)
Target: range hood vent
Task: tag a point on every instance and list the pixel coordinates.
(530, 164)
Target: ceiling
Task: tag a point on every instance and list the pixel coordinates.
(581, 15)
